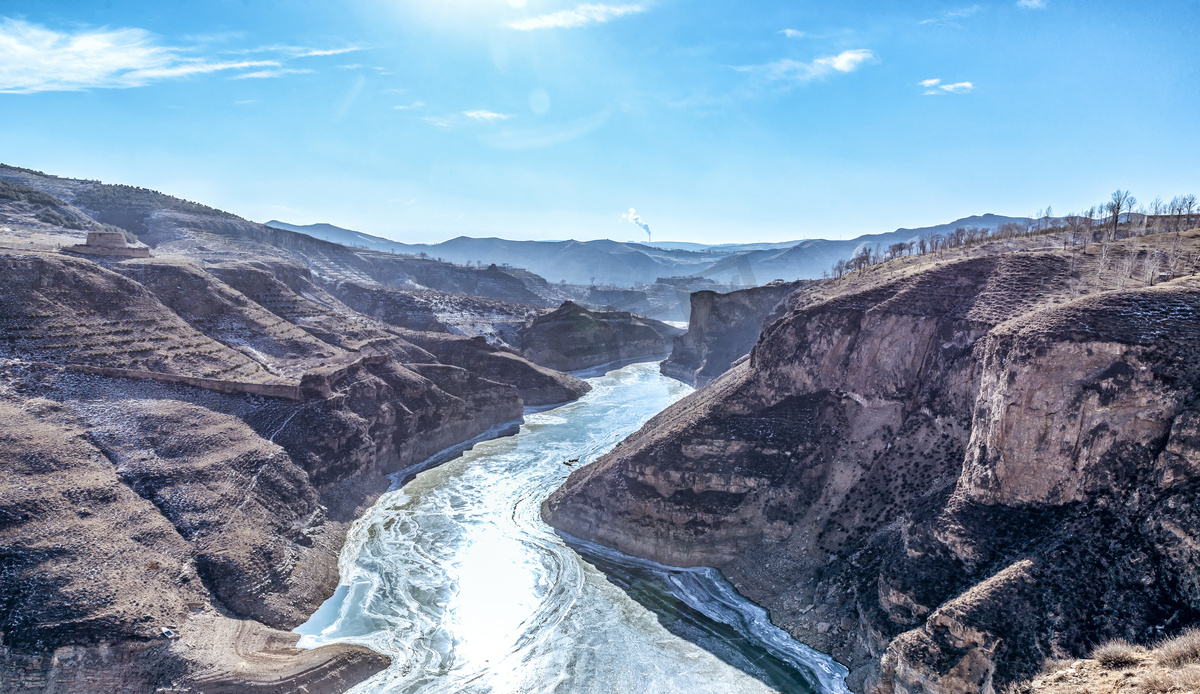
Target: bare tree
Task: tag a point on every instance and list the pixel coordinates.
(1120, 201)
(1175, 210)
(1128, 263)
(1102, 260)
(1189, 204)
(1154, 261)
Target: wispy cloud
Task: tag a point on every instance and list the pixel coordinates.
(437, 121)
(950, 16)
(793, 34)
(302, 51)
(934, 87)
(1032, 4)
(577, 17)
(818, 68)
(486, 116)
(266, 74)
(34, 58)
(415, 104)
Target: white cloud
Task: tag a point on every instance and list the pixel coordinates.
(793, 34)
(1032, 4)
(580, 16)
(486, 116)
(34, 58)
(818, 68)
(935, 86)
(415, 104)
(266, 74)
(302, 51)
(437, 121)
(960, 13)
(311, 52)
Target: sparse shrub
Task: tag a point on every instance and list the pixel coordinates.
(1181, 650)
(1162, 681)
(1158, 682)
(1116, 654)
(56, 218)
(1053, 665)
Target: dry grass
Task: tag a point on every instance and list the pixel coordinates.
(1117, 654)
(1179, 651)
(1119, 667)
(1163, 681)
(1053, 665)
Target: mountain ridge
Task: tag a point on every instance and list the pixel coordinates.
(627, 264)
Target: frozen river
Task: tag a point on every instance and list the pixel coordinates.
(455, 576)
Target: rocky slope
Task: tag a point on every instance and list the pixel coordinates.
(943, 470)
(171, 226)
(190, 436)
(574, 337)
(722, 329)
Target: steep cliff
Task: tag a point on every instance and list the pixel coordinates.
(943, 471)
(155, 534)
(130, 506)
(722, 329)
(574, 337)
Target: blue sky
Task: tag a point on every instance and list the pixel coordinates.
(719, 122)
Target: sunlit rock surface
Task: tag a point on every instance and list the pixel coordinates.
(941, 470)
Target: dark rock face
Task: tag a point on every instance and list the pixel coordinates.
(722, 329)
(574, 337)
(941, 477)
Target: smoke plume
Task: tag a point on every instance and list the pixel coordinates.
(632, 216)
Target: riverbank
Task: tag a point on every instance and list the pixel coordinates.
(456, 578)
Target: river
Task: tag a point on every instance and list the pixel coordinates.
(455, 576)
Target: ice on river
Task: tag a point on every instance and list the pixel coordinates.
(456, 577)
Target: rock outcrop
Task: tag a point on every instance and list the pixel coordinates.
(723, 328)
(162, 523)
(574, 337)
(941, 471)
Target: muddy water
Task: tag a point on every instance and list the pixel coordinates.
(455, 576)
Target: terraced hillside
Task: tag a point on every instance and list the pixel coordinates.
(191, 435)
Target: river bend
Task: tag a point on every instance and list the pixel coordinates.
(455, 576)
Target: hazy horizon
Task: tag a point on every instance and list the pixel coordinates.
(654, 242)
(541, 119)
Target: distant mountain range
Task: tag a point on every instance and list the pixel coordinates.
(624, 264)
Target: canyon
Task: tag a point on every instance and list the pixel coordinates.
(192, 431)
(944, 469)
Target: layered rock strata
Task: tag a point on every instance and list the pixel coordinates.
(723, 328)
(943, 473)
(153, 534)
(574, 337)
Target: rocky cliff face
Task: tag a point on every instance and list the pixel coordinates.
(129, 506)
(574, 337)
(940, 472)
(722, 329)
